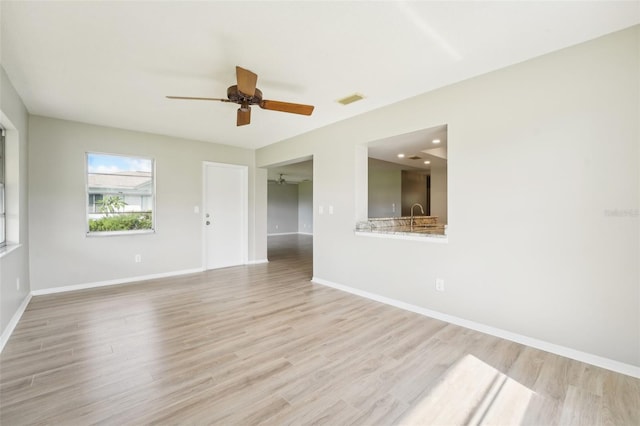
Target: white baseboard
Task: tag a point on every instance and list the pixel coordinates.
(4, 338)
(609, 364)
(290, 233)
(257, 261)
(114, 282)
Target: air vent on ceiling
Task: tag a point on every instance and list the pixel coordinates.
(414, 157)
(351, 99)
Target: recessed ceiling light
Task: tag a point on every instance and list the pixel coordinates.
(400, 155)
(436, 141)
(427, 162)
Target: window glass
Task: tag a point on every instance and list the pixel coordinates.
(120, 194)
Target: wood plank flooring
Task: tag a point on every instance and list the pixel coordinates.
(262, 345)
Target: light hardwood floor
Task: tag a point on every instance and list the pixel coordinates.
(261, 344)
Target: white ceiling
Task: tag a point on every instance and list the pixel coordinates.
(418, 143)
(414, 144)
(112, 63)
(293, 173)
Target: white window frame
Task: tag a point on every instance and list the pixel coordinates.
(87, 195)
(3, 186)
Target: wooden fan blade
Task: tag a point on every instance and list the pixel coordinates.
(244, 116)
(287, 107)
(198, 99)
(246, 81)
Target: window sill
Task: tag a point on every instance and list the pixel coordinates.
(120, 233)
(4, 251)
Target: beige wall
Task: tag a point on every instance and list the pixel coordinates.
(62, 255)
(14, 266)
(439, 192)
(554, 143)
(305, 207)
(282, 208)
(384, 189)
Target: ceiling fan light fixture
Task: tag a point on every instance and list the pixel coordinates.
(243, 116)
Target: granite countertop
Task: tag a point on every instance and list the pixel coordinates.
(424, 226)
(426, 231)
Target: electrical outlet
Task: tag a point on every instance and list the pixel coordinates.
(276, 226)
(138, 258)
(439, 284)
(330, 209)
(18, 283)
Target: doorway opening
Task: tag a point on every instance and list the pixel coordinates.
(290, 212)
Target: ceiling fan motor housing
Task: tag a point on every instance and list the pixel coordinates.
(238, 97)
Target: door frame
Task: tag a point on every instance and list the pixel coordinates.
(244, 176)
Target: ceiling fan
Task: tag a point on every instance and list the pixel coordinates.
(245, 94)
(280, 181)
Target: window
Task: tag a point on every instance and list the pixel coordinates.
(407, 182)
(3, 214)
(120, 194)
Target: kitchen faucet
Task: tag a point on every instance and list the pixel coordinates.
(421, 209)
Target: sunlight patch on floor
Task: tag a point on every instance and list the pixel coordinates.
(472, 392)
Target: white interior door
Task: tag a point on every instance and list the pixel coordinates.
(225, 215)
